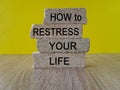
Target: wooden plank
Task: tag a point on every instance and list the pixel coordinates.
(100, 73)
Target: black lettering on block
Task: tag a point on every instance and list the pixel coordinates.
(60, 16)
(59, 61)
(35, 31)
(66, 61)
(73, 45)
(59, 45)
(52, 16)
(50, 61)
(52, 44)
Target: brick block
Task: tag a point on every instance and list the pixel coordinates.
(67, 15)
(56, 31)
(47, 60)
(63, 45)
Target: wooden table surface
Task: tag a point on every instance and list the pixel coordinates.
(102, 72)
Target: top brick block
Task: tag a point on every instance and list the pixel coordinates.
(65, 16)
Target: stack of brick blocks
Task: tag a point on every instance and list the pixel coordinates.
(59, 39)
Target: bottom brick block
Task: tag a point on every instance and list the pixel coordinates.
(47, 60)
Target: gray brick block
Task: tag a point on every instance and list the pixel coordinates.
(56, 31)
(66, 15)
(47, 60)
(63, 45)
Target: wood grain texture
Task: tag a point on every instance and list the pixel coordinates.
(102, 72)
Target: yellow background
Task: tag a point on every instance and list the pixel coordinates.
(17, 16)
